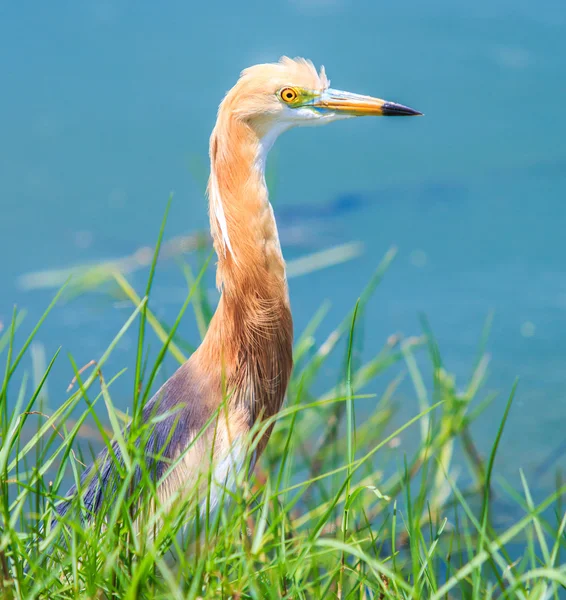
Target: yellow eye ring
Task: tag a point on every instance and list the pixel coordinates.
(288, 95)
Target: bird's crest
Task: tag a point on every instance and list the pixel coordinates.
(298, 71)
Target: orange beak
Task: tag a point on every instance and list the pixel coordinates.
(357, 105)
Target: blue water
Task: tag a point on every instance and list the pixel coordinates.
(105, 107)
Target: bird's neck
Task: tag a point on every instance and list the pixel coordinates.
(251, 332)
(243, 226)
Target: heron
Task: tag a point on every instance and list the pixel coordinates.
(245, 359)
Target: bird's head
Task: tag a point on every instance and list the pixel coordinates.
(272, 98)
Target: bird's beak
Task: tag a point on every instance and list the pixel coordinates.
(357, 105)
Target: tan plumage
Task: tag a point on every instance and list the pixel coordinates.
(245, 359)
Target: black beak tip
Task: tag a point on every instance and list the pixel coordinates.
(391, 109)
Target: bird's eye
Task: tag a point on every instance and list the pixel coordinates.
(288, 95)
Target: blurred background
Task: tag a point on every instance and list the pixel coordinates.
(106, 107)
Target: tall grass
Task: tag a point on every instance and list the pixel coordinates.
(335, 508)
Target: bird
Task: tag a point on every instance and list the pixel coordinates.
(245, 359)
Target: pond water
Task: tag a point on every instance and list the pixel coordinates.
(107, 106)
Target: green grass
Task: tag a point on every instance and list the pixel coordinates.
(336, 507)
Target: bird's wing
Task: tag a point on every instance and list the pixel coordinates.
(171, 420)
